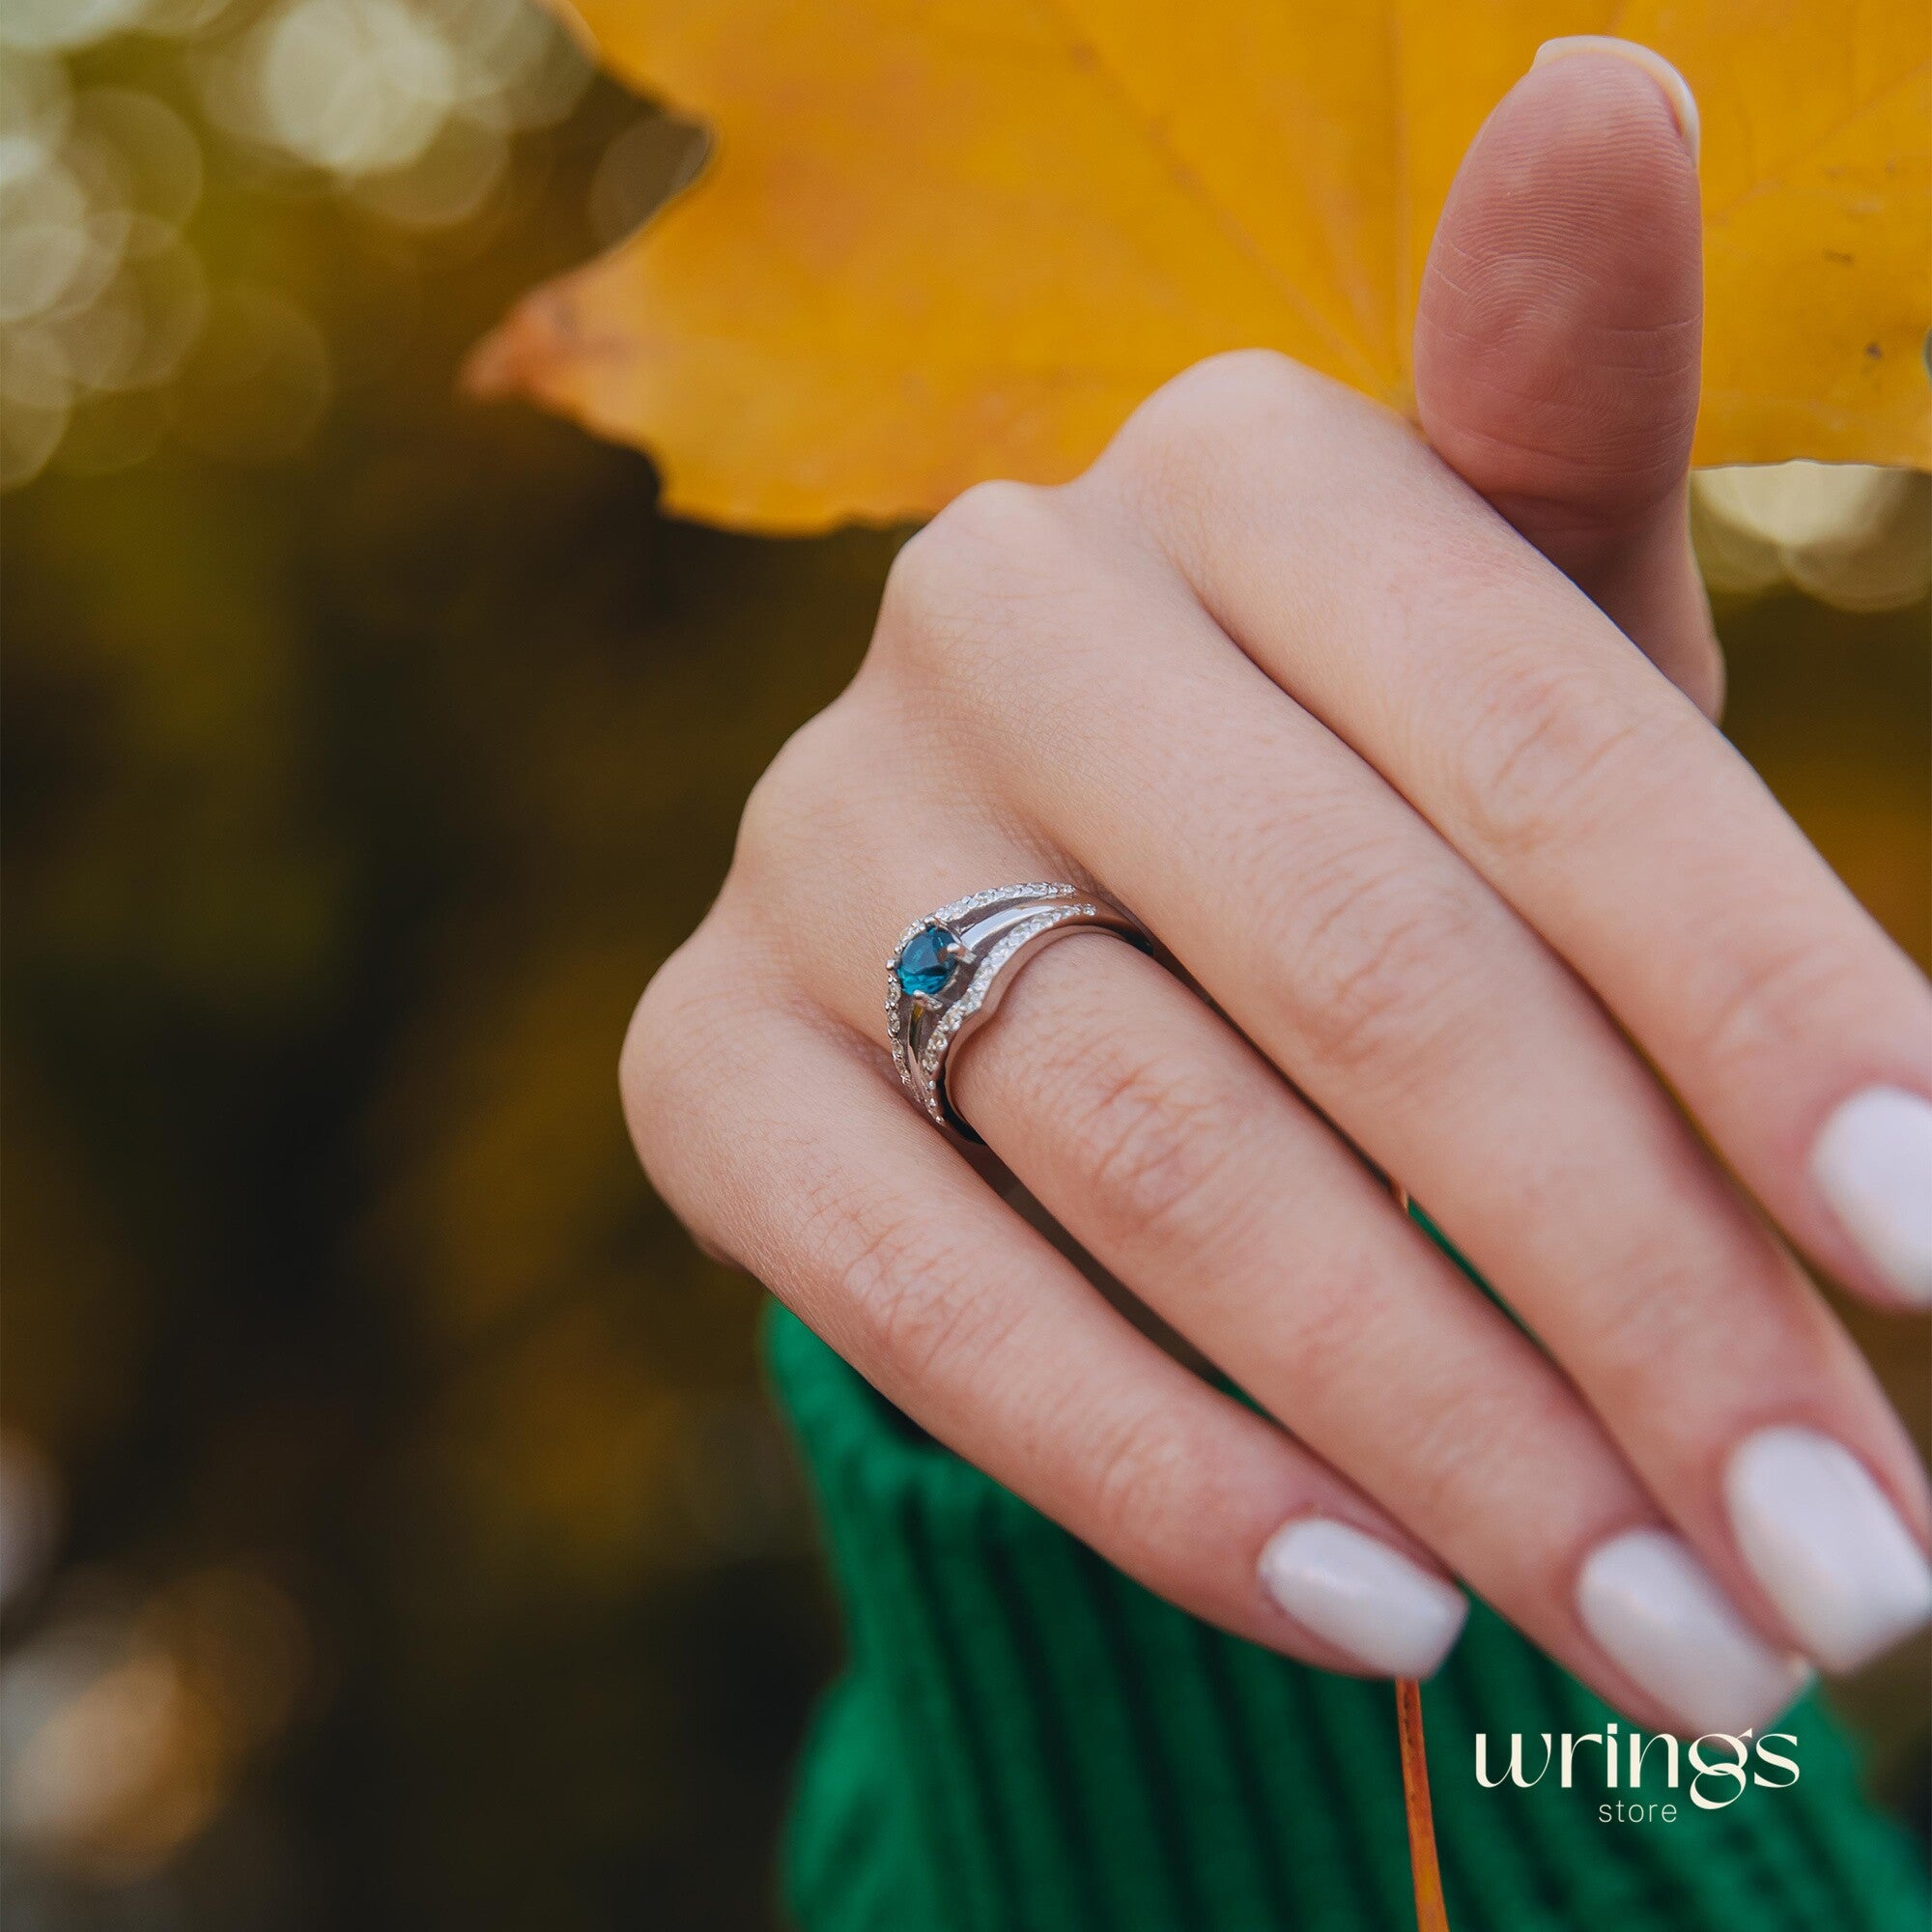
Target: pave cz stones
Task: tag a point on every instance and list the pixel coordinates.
(941, 979)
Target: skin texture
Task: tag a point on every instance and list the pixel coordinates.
(1353, 721)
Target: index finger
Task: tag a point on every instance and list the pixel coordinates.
(1589, 791)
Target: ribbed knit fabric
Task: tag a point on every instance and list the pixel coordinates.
(1025, 1740)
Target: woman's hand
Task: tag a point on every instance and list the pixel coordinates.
(1472, 886)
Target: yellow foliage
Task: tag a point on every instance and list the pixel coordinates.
(940, 239)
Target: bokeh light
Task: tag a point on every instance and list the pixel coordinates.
(127, 1721)
(403, 110)
(43, 25)
(1848, 535)
(355, 86)
(361, 88)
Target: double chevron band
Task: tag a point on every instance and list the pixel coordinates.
(948, 971)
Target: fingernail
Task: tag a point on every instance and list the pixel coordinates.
(1873, 1163)
(1829, 1548)
(1676, 89)
(1362, 1596)
(1656, 1611)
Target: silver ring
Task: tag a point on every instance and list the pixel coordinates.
(947, 971)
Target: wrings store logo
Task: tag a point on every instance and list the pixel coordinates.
(1712, 1771)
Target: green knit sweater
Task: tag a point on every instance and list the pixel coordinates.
(1025, 1740)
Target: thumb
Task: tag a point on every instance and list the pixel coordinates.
(1558, 333)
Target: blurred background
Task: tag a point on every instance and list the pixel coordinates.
(391, 1530)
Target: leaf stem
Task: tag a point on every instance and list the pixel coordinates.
(1431, 1914)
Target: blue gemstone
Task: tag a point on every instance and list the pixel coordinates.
(926, 963)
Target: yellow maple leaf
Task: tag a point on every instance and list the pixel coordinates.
(943, 239)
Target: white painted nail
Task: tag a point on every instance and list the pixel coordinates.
(1362, 1596)
(1676, 89)
(1829, 1548)
(1659, 1614)
(1873, 1163)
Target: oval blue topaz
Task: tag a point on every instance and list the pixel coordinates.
(928, 961)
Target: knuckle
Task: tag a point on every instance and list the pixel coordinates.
(1219, 393)
(1758, 1005)
(805, 799)
(866, 1266)
(1370, 957)
(918, 1309)
(675, 1063)
(1326, 1324)
(1176, 445)
(664, 1038)
(1465, 1445)
(1152, 1139)
(997, 518)
(1658, 1326)
(1551, 752)
(996, 542)
(1141, 1469)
